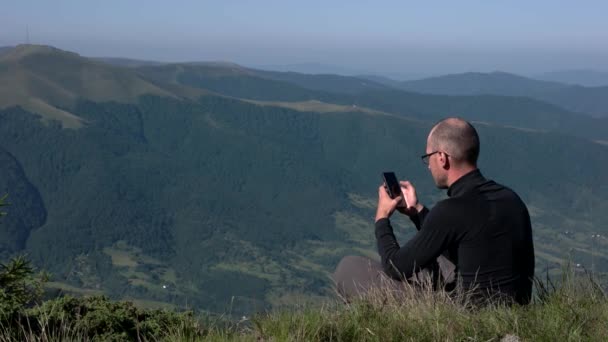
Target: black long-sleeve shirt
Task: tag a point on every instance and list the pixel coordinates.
(483, 228)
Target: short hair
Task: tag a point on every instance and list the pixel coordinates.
(458, 138)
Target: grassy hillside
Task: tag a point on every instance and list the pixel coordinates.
(50, 82)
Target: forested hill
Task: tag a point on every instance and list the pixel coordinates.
(192, 193)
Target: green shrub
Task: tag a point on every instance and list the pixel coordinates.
(100, 319)
(19, 286)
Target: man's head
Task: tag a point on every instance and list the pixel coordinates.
(455, 146)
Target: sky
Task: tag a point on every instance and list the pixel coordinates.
(418, 37)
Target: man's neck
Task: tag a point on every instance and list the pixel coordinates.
(456, 174)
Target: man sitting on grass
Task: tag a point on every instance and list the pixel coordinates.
(481, 233)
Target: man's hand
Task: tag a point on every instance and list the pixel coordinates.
(386, 204)
(411, 205)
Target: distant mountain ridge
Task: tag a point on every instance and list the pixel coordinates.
(477, 83)
(583, 77)
(258, 85)
(581, 99)
(325, 82)
(126, 62)
(586, 100)
(310, 68)
(49, 80)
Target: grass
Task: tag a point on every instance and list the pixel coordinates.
(574, 309)
(49, 113)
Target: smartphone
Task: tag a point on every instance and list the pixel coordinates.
(391, 184)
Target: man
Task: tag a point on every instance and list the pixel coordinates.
(483, 227)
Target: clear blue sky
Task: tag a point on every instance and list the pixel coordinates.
(405, 36)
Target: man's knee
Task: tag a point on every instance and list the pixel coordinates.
(351, 262)
(352, 265)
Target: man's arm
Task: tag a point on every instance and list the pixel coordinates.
(433, 239)
(419, 217)
(412, 208)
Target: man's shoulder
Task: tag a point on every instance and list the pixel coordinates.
(449, 205)
(504, 193)
(491, 185)
(506, 189)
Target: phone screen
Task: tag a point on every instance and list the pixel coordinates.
(392, 184)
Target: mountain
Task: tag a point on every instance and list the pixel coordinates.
(387, 81)
(324, 82)
(476, 83)
(325, 69)
(227, 203)
(227, 77)
(587, 100)
(311, 68)
(583, 77)
(126, 62)
(49, 82)
(302, 90)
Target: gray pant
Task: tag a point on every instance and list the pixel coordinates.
(356, 275)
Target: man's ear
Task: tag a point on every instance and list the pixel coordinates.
(444, 160)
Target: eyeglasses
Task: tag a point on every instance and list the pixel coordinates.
(425, 158)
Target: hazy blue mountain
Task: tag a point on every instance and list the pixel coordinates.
(583, 77)
(476, 83)
(205, 199)
(387, 81)
(586, 100)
